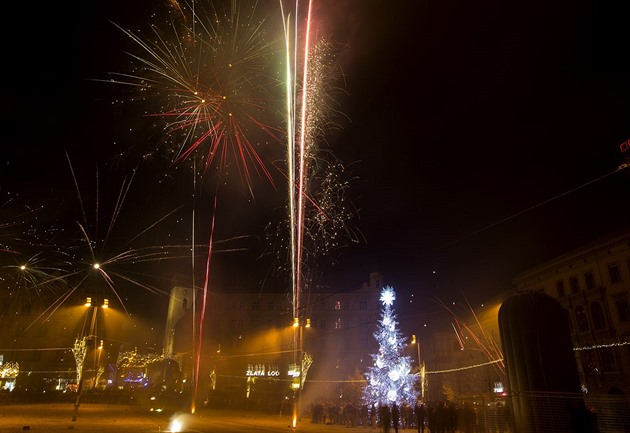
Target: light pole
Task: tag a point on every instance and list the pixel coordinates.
(80, 352)
(97, 364)
(300, 369)
(415, 341)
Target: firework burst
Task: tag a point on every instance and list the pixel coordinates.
(330, 222)
(209, 74)
(96, 255)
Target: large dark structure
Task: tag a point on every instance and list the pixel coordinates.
(543, 380)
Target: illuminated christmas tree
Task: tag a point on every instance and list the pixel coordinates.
(390, 379)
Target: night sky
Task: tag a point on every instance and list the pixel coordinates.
(482, 138)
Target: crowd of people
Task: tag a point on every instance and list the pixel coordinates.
(444, 417)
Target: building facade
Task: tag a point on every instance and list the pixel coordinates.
(592, 283)
(253, 348)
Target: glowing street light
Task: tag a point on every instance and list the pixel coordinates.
(421, 369)
(80, 352)
(299, 370)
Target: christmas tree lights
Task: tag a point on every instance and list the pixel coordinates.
(390, 379)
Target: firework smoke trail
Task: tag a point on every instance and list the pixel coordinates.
(296, 157)
(203, 311)
(296, 146)
(309, 70)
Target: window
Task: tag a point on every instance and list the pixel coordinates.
(338, 305)
(338, 323)
(560, 289)
(322, 324)
(270, 306)
(598, 316)
(364, 323)
(575, 286)
(256, 306)
(363, 305)
(346, 305)
(623, 310)
(613, 273)
(580, 318)
(589, 280)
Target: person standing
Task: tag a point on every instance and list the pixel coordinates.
(395, 417)
(386, 417)
(421, 414)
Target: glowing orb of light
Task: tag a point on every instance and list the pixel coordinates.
(391, 395)
(96, 266)
(178, 423)
(394, 375)
(175, 426)
(388, 296)
(379, 362)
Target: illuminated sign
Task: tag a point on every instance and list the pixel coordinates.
(262, 370)
(498, 387)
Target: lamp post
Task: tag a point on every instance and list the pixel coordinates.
(415, 341)
(301, 367)
(97, 364)
(80, 353)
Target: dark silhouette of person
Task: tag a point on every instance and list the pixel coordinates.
(421, 414)
(395, 417)
(386, 417)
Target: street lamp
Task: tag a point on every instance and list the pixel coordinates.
(80, 352)
(300, 369)
(421, 371)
